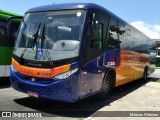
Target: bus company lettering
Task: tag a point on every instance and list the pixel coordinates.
(35, 65)
(44, 74)
(25, 71)
(111, 63)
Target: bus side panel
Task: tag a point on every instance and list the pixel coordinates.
(5, 55)
(5, 60)
(2, 70)
(92, 74)
(130, 61)
(132, 66)
(91, 77)
(113, 59)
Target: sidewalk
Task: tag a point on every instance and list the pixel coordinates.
(142, 98)
(146, 98)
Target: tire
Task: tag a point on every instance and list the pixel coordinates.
(106, 87)
(144, 79)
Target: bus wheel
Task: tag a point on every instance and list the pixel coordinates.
(144, 79)
(106, 88)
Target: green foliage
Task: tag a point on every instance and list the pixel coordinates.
(158, 65)
(111, 40)
(114, 28)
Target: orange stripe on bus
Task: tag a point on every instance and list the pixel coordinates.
(40, 72)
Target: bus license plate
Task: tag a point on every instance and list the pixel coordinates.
(32, 94)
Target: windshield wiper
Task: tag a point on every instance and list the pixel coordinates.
(43, 38)
(35, 36)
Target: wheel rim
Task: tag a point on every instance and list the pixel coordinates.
(106, 86)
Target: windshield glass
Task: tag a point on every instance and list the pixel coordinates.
(56, 34)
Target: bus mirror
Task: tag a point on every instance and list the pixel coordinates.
(92, 17)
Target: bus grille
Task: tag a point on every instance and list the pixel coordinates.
(39, 90)
(38, 80)
(45, 81)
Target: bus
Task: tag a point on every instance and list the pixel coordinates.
(158, 56)
(9, 23)
(72, 51)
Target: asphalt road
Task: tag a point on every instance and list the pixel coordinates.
(135, 96)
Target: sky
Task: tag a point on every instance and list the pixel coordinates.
(142, 14)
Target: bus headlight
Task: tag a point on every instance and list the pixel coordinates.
(66, 75)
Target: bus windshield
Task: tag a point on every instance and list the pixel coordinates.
(56, 34)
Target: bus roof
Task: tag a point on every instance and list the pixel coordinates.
(69, 6)
(66, 6)
(5, 14)
(86, 6)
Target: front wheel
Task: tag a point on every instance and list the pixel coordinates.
(106, 88)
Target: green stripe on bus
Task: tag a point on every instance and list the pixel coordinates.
(5, 55)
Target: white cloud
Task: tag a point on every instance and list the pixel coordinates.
(153, 31)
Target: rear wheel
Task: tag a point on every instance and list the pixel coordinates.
(144, 79)
(106, 87)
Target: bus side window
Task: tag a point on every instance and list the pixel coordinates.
(12, 28)
(2, 33)
(94, 41)
(95, 36)
(113, 40)
(121, 33)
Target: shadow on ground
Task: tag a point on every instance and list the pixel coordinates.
(154, 79)
(83, 108)
(5, 83)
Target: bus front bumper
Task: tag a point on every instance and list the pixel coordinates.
(61, 90)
